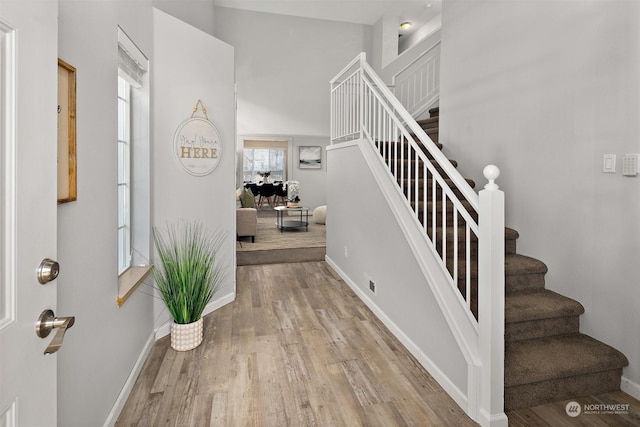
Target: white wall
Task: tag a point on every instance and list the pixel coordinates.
(105, 342)
(283, 68)
(543, 90)
(198, 13)
(190, 65)
(384, 42)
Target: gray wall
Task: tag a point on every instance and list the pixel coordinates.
(177, 195)
(283, 68)
(543, 90)
(199, 13)
(105, 342)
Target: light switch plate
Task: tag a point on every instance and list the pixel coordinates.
(609, 163)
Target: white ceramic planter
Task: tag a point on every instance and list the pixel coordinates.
(186, 337)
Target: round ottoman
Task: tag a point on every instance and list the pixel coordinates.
(320, 215)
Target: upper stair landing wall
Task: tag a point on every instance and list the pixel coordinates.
(368, 241)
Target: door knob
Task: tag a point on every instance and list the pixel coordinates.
(47, 322)
(48, 270)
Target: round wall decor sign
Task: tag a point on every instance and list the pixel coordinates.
(197, 146)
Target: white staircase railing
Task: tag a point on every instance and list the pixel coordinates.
(464, 230)
(417, 86)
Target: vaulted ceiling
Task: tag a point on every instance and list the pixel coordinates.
(356, 11)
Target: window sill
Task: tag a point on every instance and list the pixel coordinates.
(129, 281)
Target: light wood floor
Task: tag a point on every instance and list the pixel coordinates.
(296, 348)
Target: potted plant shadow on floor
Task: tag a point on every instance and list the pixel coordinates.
(187, 276)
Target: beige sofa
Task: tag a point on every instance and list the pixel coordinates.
(246, 220)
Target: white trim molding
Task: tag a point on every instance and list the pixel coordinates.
(129, 383)
(630, 387)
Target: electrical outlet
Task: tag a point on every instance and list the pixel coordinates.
(346, 252)
(372, 286)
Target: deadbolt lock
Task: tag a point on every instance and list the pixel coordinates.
(48, 270)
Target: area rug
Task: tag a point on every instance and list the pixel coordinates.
(276, 246)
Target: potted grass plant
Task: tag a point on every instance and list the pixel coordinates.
(187, 277)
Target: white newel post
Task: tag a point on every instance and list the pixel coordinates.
(491, 301)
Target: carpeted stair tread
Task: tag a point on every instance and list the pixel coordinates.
(432, 133)
(434, 112)
(516, 264)
(543, 304)
(510, 234)
(563, 356)
(430, 123)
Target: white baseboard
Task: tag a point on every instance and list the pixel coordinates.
(631, 388)
(129, 383)
(165, 329)
(486, 420)
(452, 390)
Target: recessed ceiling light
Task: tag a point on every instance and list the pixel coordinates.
(428, 4)
(406, 25)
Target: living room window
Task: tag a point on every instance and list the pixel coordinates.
(262, 156)
(134, 178)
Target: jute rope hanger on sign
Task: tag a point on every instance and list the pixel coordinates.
(204, 110)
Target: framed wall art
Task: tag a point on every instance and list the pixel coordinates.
(310, 157)
(67, 189)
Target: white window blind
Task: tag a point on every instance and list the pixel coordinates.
(131, 61)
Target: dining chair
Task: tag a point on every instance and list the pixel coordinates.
(281, 194)
(267, 192)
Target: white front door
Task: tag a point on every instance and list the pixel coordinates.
(28, 206)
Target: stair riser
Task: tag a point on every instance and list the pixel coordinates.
(541, 328)
(535, 394)
(508, 245)
(395, 150)
(430, 127)
(400, 160)
(397, 166)
(524, 283)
